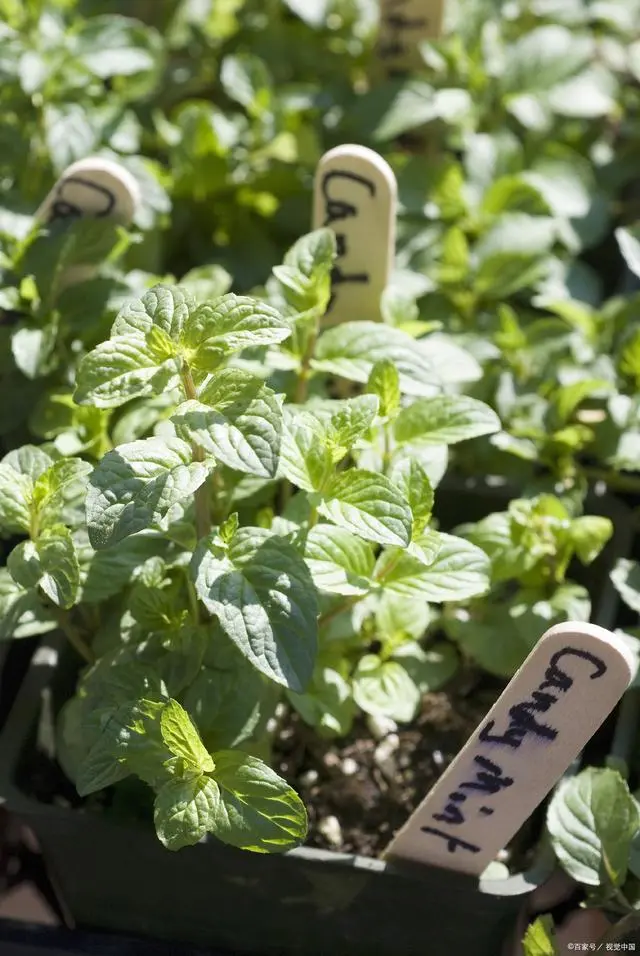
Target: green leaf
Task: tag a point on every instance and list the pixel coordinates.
(592, 819)
(28, 460)
(134, 486)
(351, 350)
(224, 717)
(339, 562)
(206, 282)
(305, 276)
(441, 568)
(328, 703)
(182, 739)
(60, 578)
(349, 419)
(369, 505)
(16, 492)
(228, 325)
(539, 939)
(629, 243)
(430, 668)
(246, 80)
(384, 688)
(59, 493)
(238, 420)
(544, 57)
(108, 572)
(589, 534)
(22, 613)
(258, 810)
(164, 307)
(626, 580)
(413, 481)
(445, 420)
(305, 457)
(185, 810)
(384, 381)
(50, 563)
(263, 595)
(122, 368)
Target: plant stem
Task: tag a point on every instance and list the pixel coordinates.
(201, 496)
(302, 385)
(74, 636)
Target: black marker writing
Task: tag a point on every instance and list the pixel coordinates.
(521, 716)
(453, 842)
(524, 722)
(64, 208)
(337, 209)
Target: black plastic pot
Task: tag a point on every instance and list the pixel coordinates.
(305, 903)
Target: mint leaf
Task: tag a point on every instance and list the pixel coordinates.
(262, 593)
(351, 350)
(539, 939)
(446, 419)
(164, 307)
(185, 809)
(228, 325)
(305, 276)
(122, 368)
(134, 486)
(384, 688)
(16, 490)
(414, 483)
(384, 381)
(50, 563)
(592, 819)
(328, 704)
(258, 810)
(305, 457)
(238, 420)
(340, 562)
(369, 505)
(629, 244)
(589, 534)
(440, 568)
(182, 739)
(626, 580)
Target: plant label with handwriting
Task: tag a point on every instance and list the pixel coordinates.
(355, 195)
(92, 187)
(565, 689)
(404, 25)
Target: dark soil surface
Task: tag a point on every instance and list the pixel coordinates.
(370, 787)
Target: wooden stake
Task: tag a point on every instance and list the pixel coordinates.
(404, 25)
(356, 195)
(565, 689)
(92, 187)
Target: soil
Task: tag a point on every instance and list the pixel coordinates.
(356, 795)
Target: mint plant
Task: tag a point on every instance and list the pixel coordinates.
(257, 542)
(530, 546)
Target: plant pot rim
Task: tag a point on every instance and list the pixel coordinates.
(25, 712)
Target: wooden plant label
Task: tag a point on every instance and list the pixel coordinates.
(355, 194)
(565, 689)
(404, 24)
(92, 187)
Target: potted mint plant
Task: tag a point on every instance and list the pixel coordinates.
(246, 558)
